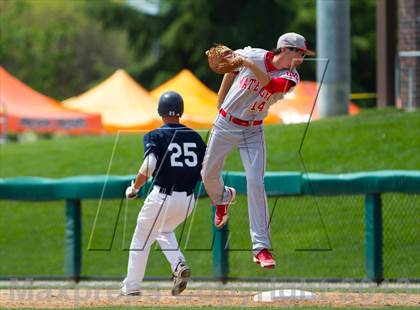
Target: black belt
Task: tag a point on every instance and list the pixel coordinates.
(168, 191)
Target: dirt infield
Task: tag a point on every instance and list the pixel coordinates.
(84, 297)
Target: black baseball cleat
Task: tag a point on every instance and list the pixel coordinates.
(180, 277)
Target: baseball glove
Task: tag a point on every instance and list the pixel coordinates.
(223, 60)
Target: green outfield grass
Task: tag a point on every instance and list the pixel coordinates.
(373, 140)
(32, 233)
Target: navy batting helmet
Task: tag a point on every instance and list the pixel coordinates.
(170, 104)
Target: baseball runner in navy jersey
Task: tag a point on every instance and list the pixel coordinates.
(244, 98)
(172, 153)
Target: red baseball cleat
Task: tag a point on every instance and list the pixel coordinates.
(221, 217)
(265, 259)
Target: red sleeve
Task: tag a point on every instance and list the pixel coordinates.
(279, 85)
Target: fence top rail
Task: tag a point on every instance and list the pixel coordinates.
(276, 184)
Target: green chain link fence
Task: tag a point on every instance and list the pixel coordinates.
(401, 235)
(313, 236)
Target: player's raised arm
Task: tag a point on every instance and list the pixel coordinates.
(261, 76)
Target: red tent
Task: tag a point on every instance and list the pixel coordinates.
(24, 109)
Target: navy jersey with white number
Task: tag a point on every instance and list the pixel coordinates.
(179, 151)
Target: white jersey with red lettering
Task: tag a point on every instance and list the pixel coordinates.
(246, 99)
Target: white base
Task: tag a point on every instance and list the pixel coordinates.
(284, 295)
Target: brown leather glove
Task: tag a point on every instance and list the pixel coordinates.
(223, 60)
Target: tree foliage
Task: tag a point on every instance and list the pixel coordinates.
(179, 36)
(363, 45)
(55, 48)
(62, 47)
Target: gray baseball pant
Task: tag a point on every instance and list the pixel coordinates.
(250, 141)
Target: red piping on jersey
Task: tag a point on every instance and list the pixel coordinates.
(268, 60)
(279, 85)
(276, 85)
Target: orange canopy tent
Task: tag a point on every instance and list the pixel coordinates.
(200, 102)
(122, 103)
(296, 106)
(24, 109)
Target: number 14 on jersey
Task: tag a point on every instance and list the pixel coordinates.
(258, 106)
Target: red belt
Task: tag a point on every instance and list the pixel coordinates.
(238, 121)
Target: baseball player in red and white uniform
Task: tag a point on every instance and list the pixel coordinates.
(244, 98)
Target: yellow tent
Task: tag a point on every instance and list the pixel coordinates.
(200, 102)
(122, 103)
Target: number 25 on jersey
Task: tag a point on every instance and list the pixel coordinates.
(190, 157)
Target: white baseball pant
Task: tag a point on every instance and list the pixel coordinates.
(157, 220)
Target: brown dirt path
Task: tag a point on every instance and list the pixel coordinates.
(85, 297)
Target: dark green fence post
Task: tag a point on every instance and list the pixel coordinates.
(373, 236)
(220, 251)
(73, 239)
